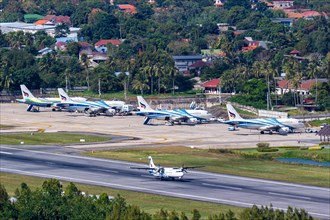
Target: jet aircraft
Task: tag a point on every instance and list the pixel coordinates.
(282, 125)
(89, 107)
(165, 172)
(33, 102)
(190, 116)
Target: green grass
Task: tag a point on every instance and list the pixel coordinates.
(317, 123)
(227, 163)
(36, 138)
(148, 202)
(292, 152)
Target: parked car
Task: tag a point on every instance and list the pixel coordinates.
(311, 130)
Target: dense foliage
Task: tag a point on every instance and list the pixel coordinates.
(52, 202)
(158, 31)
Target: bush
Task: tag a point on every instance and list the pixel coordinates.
(267, 149)
(324, 143)
(263, 145)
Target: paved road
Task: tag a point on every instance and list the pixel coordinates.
(233, 190)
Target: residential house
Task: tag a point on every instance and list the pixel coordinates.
(85, 45)
(282, 4)
(60, 46)
(218, 3)
(30, 18)
(252, 44)
(127, 8)
(197, 67)
(182, 62)
(285, 21)
(57, 20)
(101, 45)
(212, 86)
(285, 86)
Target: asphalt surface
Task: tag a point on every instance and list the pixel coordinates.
(129, 132)
(55, 162)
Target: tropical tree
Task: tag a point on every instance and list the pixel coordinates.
(313, 70)
(85, 61)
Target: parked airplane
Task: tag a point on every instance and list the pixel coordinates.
(189, 116)
(283, 126)
(165, 172)
(33, 102)
(89, 107)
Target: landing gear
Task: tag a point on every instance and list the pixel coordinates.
(262, 132)
(172, 179)
(270, 132)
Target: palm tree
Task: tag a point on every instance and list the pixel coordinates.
(140, 83)
(85, 61)
(293, 72)
(313, 71)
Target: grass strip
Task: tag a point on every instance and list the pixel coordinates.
(226, 162)
(36, 138)
(148, 202)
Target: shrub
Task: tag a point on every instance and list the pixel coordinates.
(263, 145)
(267, 149)
(324, 143)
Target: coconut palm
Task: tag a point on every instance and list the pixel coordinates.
(85, 61)
(313, 71)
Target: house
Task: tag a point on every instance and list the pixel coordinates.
(252, 44)
(295, 52)
(212, 86)
(85, 45)
(127, 8)
(182, 62)
(285, 86)
(94, 58)
(101, 45)
(60, 46)
(218, 3)
(57, 20)
(30, 18)
(282, 4)
(285, 21)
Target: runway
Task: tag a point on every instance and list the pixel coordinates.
(53, 162)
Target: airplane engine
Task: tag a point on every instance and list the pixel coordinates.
(192, 121)
(284, 130)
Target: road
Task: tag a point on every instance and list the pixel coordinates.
(52, 162)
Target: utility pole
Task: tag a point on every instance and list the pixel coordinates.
(99, 87)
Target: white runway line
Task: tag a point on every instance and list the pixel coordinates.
(3, 152)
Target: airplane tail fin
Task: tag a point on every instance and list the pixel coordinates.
(151, 162)
(192, 105)
(63, 95)
(143, 105)
(25, 92)
(232, 113)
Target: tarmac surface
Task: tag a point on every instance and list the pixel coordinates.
(63, 162)
(49, 162)
(213, 135)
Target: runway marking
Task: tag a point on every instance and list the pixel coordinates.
(104, 170)
(197, 172)
(3, 152)
(221, 186)
(291, 196)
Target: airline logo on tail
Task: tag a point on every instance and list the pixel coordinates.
(142, 105)
(231, 115)
(63, 98)
(25, 94)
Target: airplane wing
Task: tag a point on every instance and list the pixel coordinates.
(192, 167)
(269, 128)
(142, 168)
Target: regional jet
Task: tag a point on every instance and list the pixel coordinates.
(190, 116)
(165, 172)
(89, 107)
(33, 102)
(282, 126)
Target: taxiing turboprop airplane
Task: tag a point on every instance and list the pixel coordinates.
(29, 99)
(190, 116)
(282, 125)
(89, 107)
(165, 172)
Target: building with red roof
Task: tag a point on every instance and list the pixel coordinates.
(55, 20)
(304, 87)
(127, 8)
(101, 45)
(212, 86)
